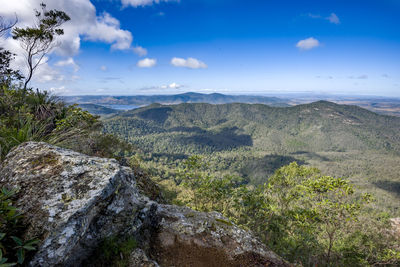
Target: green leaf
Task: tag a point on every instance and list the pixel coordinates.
(18, 241)
(28, 247)
(21, 255)
(2, 235)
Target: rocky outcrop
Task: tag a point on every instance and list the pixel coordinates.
(188, 238)
(72, 202)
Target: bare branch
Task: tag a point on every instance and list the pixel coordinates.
(5, 25)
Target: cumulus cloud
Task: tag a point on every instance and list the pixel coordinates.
(307, 44)
(85, 24)
(140, 51)
(333, 18)
(106, 29)
(190, 63)
(45, 73)
(146, 63)
(142, 3)
(68, 62)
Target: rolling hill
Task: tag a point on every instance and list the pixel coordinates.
(142, 100)
(252, 140)
(98, 109)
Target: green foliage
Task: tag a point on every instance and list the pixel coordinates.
(113, 251)
(252, 141)
(28, 115)
(38, 40)
(207, 193)
(304, 216)
(13, 247)
(8, 76)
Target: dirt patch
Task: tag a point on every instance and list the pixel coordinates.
(190, 254)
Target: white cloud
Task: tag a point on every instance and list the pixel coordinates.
(360, 77)
(333, 18)
(142, 3)
(175, 86)
(46, 73)
(59, 90)
(307, 44)
(190, 62)
(171, 86)
(146, 63)
(140, 51)
(68, 62)
(84, 25)
(106, 29)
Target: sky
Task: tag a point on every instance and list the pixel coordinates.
(128, 47)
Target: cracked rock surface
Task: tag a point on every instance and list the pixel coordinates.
(72, 202)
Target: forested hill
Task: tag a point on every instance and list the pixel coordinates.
(98, 110)
(141, 100)
(319, 126)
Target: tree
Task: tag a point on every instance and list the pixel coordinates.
(5, 25)
(38, 41)
(7, 75)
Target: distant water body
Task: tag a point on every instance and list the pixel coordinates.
(122, 107)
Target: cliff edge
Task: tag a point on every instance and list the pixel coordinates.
(72, 202)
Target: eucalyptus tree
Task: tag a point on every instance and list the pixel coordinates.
(38, 40)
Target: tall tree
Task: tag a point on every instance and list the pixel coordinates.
(39, 40)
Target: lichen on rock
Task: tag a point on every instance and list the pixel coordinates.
(69, 200)
(73, 202)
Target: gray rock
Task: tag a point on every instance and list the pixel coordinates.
(72, 202)
(189, 238)
(139, 258)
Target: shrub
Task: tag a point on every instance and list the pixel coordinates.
(13, 247)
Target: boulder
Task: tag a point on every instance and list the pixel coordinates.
(73, 202)
(189, 238)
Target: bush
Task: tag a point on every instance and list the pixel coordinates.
(13, 248)
(302, 215)
(28, 115)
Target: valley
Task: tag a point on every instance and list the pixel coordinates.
(253, 140)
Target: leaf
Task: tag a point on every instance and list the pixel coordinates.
(2, 235)
(32, 242)
(21, 255)
(28, 247)
(18, 241)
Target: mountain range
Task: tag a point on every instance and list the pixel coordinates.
(253, 140)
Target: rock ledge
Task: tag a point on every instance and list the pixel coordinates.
(72, 202)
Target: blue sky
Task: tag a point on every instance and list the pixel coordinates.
(258, 47)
